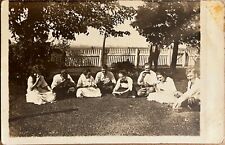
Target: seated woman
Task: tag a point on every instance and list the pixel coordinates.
(38, 91)
(86, 86)
(165, 90)
(191, 98)
(105, 80)
(124, 86)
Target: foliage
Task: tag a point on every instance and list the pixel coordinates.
(33, 24)
(125, 65)
(163, 22)
(65, 19)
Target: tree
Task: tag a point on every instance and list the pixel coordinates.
(165, 22)
(32, 24)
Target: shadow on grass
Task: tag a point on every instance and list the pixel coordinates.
(41, 114)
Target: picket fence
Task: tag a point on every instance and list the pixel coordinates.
(137, 56)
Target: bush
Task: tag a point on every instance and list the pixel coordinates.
(125, 65)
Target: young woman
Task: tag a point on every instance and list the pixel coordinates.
(124, 86)
(165, 90)
(38, 91)
(86, 86)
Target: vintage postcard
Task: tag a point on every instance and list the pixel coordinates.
(112, 71)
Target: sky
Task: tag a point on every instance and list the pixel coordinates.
(133, 40)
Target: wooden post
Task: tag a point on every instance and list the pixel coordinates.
(100, 58)
(137, 57)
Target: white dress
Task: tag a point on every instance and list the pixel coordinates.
(39, 95)
(86, 87)
(165, 93)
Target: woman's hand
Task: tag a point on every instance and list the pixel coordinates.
(143, 74)
(178, 94)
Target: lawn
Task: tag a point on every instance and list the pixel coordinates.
(99, 116)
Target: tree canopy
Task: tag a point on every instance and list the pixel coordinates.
(165, 22)
(32, 24)
(31, 20)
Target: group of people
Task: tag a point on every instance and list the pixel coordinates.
(155, 86)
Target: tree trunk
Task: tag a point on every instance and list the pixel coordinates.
(174, 57)
(149, 56)
(103, 50)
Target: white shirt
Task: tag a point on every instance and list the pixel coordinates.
(193, 89)
(83, 81)
(149, 78)
(58, 79)
(100, 77)
(168, 85)
(128, 84)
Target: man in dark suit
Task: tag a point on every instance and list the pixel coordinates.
(154, 55)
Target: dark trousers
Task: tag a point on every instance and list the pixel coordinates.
(154, 59)
(62, 90)
(195, 106)
(106, 88)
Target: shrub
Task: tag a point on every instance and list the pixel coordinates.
(125, 65)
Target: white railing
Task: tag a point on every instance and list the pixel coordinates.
(137, 56)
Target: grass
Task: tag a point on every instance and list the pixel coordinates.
(99, 116)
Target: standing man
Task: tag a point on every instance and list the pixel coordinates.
(154, 55)
(105, 80)
(63, 85)
(147, 81)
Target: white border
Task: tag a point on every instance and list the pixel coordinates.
(212, 91)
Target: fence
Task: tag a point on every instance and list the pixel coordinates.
(137, 56)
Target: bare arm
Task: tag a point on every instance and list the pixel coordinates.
(141, 78)
(117, 86)
(70, 78)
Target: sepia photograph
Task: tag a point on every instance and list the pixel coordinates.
(110, 68)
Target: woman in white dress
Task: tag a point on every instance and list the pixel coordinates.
(86, 86)
(124, 86)
(165, 90)
(38, 91)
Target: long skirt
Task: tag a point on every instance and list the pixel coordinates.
(128, 94)
(39, 98)
(88, 92)
(162, 97)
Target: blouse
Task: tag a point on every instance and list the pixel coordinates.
(126, 83)
(84, 82)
